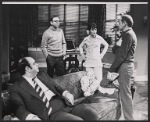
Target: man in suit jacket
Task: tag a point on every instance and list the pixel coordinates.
(28, 105)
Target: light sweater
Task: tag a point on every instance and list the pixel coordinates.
(53, 41)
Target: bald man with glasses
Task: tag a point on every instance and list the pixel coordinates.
(54, 48)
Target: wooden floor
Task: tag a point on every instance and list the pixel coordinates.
(140, 101)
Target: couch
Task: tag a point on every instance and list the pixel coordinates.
(107, 106)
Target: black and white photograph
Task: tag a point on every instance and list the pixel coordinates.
(74, 61)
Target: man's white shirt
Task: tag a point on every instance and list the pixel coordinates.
(49, 94)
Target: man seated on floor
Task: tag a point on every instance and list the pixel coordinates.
(35, 97)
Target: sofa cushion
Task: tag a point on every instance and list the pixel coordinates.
(107, 108)
(71, 83)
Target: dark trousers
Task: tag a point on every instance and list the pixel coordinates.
(125, 80)
(55, 64)
(79, 112)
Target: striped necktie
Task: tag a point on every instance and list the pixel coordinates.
(42, 96)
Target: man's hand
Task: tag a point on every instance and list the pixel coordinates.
(119, 42)
(69, 97)
(32, 117)
(112, 76)
(83, 56)
(36, 118)
(109, 76)
(101, 56)
(64, 53)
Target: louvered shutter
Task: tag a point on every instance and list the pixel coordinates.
(111, 11)
(43, 23)
(72, 18)
(123, 8)
(83, 22)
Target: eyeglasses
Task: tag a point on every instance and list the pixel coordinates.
(56, 21)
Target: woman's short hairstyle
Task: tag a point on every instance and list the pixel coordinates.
(128, 20)
(92, 26)
(23, 62)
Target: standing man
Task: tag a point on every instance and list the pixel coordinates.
(124, 64)
(54, 48)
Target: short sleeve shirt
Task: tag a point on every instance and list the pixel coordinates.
(92, 49)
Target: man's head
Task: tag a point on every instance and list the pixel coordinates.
(92, 29)
(125, 21)
(55, 22)
(28, 66)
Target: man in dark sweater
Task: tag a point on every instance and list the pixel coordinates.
(124, 64)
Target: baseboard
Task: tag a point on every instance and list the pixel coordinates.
(141, 78)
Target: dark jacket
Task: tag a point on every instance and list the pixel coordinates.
(125, 52)
(24, 99)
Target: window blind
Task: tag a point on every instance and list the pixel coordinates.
(72, 18)
(111, 12)
(76, 22)
(42, 18)
(57, 9)
(123, 8)
(110, 20)
(83, 22)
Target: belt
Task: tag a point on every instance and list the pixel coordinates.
(55, 56)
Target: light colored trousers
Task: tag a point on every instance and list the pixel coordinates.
(97, 71)
(125, 80)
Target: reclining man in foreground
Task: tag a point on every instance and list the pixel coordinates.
(35, 97)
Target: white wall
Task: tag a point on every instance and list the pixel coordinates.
(141, 56)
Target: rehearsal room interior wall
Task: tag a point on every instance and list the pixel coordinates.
(139, 12)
